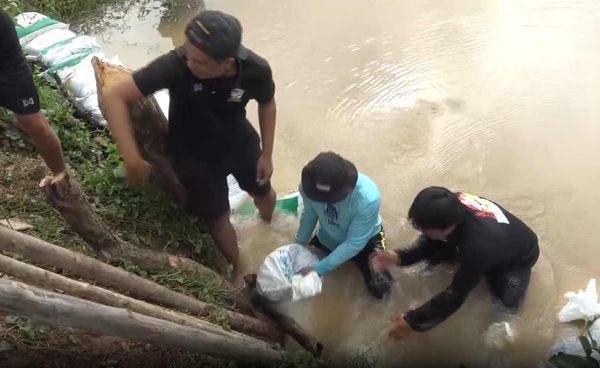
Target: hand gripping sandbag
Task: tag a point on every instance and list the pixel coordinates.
(277, 279)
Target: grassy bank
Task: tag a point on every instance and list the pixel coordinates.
(145, 217)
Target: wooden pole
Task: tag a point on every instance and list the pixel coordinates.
(49, 280)
(286, 323)
(67, 311)
(89, 268)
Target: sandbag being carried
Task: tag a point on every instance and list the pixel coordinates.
(31, 25)
(277, 279)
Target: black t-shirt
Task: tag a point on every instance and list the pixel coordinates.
(13, 66)
(207, 117)
(489, 238)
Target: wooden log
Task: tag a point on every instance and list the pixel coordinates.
(89, 268)
(286, 323)
(66, 197)
(49, 280)
(150, 128)
(67, 311)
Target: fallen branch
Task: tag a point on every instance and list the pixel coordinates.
(67, 311)
(89, 268)
(286, 323)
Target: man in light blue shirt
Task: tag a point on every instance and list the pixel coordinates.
(346, 205)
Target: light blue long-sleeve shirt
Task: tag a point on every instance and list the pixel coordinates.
(345, 227)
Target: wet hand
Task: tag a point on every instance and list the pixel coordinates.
(305, 271)
(137, 172)
(264, 169)
(383, 260)
(400, 328)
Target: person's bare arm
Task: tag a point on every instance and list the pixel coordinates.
(116, 101)
(267, 114)
(44, 139)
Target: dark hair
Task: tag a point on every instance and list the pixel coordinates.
(435, 208)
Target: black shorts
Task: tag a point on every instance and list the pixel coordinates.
(205, 180)
(17, 90)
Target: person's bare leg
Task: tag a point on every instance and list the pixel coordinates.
(44, 140)
(266, 205)
(225, 238)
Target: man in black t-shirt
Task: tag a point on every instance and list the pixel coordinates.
(210, 80)
(19, 95)
(484, 239)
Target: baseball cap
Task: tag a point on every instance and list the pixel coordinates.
(217, 34)
(329, 178)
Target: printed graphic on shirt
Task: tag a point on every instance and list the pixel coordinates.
(332, 214)
(482, 207)
(236, 95)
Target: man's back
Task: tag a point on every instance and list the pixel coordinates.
(491, 236)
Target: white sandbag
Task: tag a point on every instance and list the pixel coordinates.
(62, 51)
(277, 279)
(34, 48)
(31, 25)
(499, 335)
(572, 344)
(306, 286)
(583, 305)
(79, 79)
(89, 106)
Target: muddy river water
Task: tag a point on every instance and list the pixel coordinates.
(495, 97)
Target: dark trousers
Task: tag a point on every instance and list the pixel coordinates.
(378, 283)
(508, 282)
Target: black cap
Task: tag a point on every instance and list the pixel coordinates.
(329, 178)
(217, 34)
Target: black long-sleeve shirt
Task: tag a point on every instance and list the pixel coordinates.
(488, 238)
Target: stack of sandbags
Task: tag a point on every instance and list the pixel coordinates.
(67, 56)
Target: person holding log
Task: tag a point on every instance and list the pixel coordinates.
(210, 79)
(19, 95)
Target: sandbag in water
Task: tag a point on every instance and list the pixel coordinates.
(277, 279)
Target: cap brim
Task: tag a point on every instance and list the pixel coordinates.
(334, 197)
(242, 52)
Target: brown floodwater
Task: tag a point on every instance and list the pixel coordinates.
(497, 97)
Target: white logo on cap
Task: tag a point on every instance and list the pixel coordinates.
(323, 187)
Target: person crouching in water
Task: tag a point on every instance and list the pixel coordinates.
(346, 204)
(484, 239)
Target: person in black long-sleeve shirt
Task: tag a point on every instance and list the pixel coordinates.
(484, 239)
